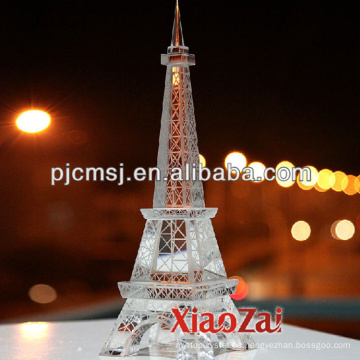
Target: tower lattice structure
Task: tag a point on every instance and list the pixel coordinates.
(179, 265)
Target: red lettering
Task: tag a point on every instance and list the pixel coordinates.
(278, 318)
(248, 318)
(209, 322)
(265, 324)
(232, 326)
(180, 320)
(194, 324)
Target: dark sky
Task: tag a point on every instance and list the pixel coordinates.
(278, 81)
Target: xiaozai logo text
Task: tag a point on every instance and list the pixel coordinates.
(227, 322)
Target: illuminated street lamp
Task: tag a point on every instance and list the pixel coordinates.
(33, 121)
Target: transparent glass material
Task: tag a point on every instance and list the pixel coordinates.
(179, 265)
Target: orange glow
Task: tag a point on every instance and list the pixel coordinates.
(302, 186)
(42, 294)
(284, 183)
(357, 184)
(340, 181)
(176, 76)
(259, 169)
(308, 184)
(332, 230)
(34, 330)
(241, 290)
(325, 180)
(350, 188)
(301, 230)
(236, 159)
(202, 160)
(319, 189)
(33, 121)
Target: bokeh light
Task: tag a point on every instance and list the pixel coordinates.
(357, 184)
(42, 294)
(301, 230)
(343, 230)
(332, 230)
(241, 290)
(236, 159)
(202, 160)
(288, 165)
(325, 180)
(319, 189)
(33, 121)
(340, 181)
(350, 188)
(259, 169)
(306, 184)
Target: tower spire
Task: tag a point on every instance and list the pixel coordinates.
(178, 147)
(177, 35)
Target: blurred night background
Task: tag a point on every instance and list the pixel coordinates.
(275, 81)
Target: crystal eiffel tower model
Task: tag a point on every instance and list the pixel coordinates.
(179, 264)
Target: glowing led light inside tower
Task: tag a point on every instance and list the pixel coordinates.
(33, 121)
(176, 76)
(283, 171)
(236, 159)
(301, 230)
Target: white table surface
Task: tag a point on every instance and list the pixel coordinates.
(82, 340)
